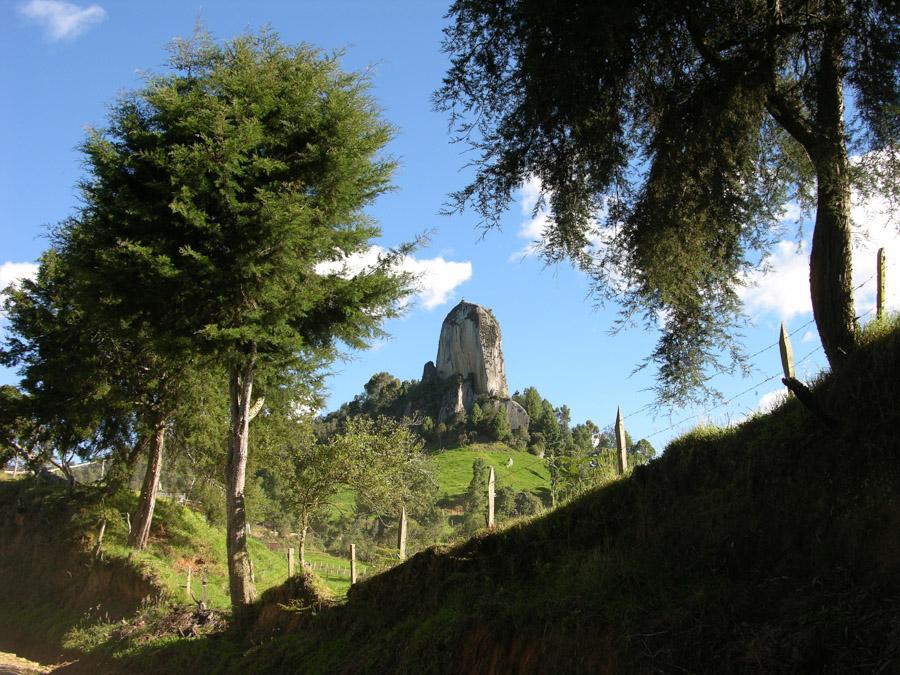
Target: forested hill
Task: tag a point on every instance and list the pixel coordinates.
(551, 430)
(770, 547)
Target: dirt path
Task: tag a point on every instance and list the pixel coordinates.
(10, 664)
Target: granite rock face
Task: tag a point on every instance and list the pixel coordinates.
(470, 347)
(470, 365)
(458, 397)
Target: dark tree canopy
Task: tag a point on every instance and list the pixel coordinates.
(668, 136)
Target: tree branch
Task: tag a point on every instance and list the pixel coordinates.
(792, 119)
(711, 56)
(254, 410)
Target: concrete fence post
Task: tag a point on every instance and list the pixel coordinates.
(787, 353)
(401, 534)
(492, 483)
(621, 444)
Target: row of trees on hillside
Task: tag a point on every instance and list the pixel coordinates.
(186, 285)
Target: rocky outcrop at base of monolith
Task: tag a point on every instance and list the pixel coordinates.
(515, 413)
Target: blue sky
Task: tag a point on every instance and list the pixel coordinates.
(63, 63)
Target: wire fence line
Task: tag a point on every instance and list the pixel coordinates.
(649, 406)
(732, 399)
(708, 411)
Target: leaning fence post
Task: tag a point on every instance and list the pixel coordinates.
(879, 293)
(401, 535)
(352, 564)
(787, 353)
(621, 444)
(492, 483)
(98, 547)
(290, 553)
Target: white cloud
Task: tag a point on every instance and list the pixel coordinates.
(437, 278)
(534, 225)
(62, 20)
(808, 336)
(875, 229)
(784, 289)
(771, 400)
(11, 272)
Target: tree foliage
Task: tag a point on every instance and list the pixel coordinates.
(667, 137)
(380, 460)
(219, 204)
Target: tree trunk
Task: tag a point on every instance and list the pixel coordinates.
(240, 575)
(143, 517)
(830, 266)
(303, 530)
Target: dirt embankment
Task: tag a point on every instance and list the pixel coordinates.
(51, 580)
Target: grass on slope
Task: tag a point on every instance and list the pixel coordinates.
(453, 468)
(453, 472)
(180, 539)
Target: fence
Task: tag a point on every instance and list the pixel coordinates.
(878, 310)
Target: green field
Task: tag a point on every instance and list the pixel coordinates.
(453, 469)
(335, 572)
(453, 472)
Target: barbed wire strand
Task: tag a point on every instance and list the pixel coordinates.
(732, 399)
(750, 358)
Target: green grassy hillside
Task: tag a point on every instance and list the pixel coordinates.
(771, 547)
(453, 468)
(453, 472)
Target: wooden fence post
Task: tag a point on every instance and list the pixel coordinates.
(203, 593)
(621, 444)
(492, 483)
(352, 564)
(290, 561)
(187, 586)
(787, 353)
(401, 534)
(879, 293)
(98, 547)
